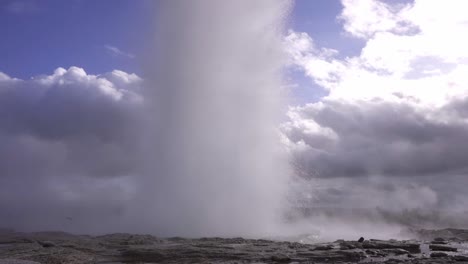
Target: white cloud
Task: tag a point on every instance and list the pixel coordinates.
(398, 108)
(318, 63)
(365, 18)
(427, 64)
(116, 52)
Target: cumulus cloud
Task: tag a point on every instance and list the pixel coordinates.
(396, 110)
(365, 18)
(63, 135)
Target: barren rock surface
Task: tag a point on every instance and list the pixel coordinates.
(442, 246)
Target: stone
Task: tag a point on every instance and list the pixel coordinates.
(460, 258)
(438, 255)
(377, 244)
(439, 240)
(57, 247)
(396, 251)
(17, 261)
(360, 240)
(280, 259)
(324, 247)
(46, 244)
(442, 248)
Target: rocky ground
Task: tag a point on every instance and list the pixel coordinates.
(431, 246)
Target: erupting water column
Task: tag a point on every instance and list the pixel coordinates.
(214, 89)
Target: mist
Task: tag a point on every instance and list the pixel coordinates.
(215, 164)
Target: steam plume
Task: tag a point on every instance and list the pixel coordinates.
(214, 164)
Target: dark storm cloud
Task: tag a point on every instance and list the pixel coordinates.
(381, 138)
(62, 135)
(400, 161)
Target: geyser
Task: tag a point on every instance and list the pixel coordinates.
(215, 164)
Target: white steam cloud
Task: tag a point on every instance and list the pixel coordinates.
(216, 166)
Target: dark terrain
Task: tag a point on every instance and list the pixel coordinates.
(429, 246)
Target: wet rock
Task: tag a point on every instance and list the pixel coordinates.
(439, 240)
(460, 258)
(350, 245)
(442, 248)
(323, 247)
(46, 244)
(331, 256)
(360, 240)
(17, 261)
(130, 248)
(438, 255)
(143, 255)
(376, 253)
(280, 258)
(293, 245)
(395, 251)
(393, 261)
(377, 244)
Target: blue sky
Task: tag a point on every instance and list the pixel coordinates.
(40, 36)
(319, 19)
(101, 36)
(43, 35)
